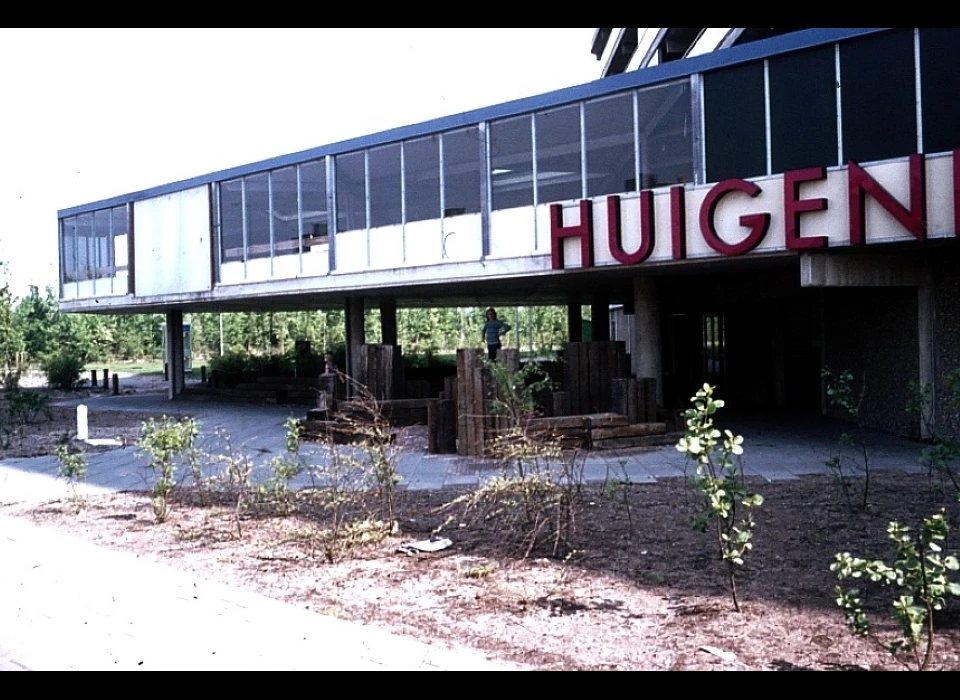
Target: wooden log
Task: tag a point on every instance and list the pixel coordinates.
(441, 427)
(620, 390)
(623, 431)
(597, 420)
(560, 403)
(650, 396)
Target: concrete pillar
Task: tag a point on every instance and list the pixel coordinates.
(925, 337)
(356, 335)
(600, 316)
(574, 320)
(174, 358)
(646, 351)
(388, 321)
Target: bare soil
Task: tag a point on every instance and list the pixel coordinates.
(637, 589)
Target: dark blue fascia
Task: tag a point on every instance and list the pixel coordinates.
(752, 51)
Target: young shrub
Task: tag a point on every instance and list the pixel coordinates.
(73, 467)
(920, 574)
(63, 370)
(167, 443)
(720, 483)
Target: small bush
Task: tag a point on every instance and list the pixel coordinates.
(63, 370)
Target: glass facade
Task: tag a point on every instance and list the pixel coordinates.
(862, 99)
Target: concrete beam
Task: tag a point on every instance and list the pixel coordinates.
(864, 270)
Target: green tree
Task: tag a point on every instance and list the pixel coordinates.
(11, 343)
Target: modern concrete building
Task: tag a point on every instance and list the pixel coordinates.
(760, 212)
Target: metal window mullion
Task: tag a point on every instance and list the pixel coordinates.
(636, 140)
(61, 255)
(243, 220)
(583, 152)
(486, 187)
(536, 184)
(836, 64)
(270, 215)
(699, 140)
(917, 91)
(218, 227)
(109, 249)
(299, 220)
(403, 200)
(331, 214)
(768, 146)
(443, 197)
(366, 199)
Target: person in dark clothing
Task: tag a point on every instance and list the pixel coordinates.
(493, 330)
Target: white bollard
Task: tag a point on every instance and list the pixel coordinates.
(82, 429)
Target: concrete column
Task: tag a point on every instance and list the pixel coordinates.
(646, 351)
(600, 315)
(174, 358)
(388, 321)
(356, 336)
(925, 337)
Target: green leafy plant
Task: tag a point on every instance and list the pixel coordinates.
(616, 487)
(285, 469)
(63, 370)
(166, 443)
(720, 482)
(517, 389)
(72, 468)
(844, 466)
(920, 573)
(943, 454)
(27, 407)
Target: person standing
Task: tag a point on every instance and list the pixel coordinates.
(493, 330)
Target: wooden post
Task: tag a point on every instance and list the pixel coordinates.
(441, 427)
(116, 384)
(93, 379)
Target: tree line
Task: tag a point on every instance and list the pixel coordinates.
(32, 328)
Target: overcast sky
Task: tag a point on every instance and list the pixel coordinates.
(93, 113)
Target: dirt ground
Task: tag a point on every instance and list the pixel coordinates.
(636, 589)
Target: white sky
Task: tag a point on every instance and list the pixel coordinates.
(93, 113)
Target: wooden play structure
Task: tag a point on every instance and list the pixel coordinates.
(599, 405)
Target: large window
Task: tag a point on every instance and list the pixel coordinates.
(511, 159)
(313, 204)
(86, 247)
(461, 172)
(803, 110)
(351, 192)
(69, 247)
(735, 120)
(231, 220)
(283, 195)
(878, 93)
(386, 198)
(940, 87)
(610, 153)
(666, 135)
(421, 166)
(103, 244)
(121, 240)
(558, 154)
(256, 205)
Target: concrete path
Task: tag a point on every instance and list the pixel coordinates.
(67, 604)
